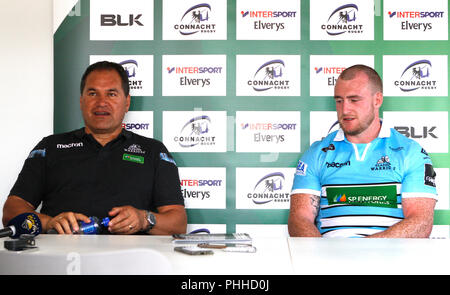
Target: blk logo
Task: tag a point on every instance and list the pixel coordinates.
(411, 132)
(110, 20)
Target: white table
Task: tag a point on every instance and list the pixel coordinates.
(111, 254)
(345, 256)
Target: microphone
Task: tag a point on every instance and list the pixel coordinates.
(25, 223)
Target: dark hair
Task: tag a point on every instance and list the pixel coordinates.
(108, 66)
(374, 79)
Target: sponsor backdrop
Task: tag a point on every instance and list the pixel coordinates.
(239, 89)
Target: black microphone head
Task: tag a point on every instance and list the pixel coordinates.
(26, 223)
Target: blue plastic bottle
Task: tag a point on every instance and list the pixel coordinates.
(94, 227)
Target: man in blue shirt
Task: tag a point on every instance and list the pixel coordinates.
(366, 179)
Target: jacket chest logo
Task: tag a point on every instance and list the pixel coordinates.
(135, 149)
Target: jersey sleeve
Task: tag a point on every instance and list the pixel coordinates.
(419, 178)
(30, 182)
(167, 186)
(307, 173)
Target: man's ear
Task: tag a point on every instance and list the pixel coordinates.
(127, 103)
(378, 101)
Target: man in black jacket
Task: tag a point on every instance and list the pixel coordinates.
(101, 169)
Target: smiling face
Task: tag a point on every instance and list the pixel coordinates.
(103, 103)
(357, 107)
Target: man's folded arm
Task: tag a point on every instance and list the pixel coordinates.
(417, 223)
(303, 212)
(15, 205)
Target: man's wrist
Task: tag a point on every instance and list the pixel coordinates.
(150, 221)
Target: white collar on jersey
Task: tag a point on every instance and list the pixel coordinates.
(385, 131)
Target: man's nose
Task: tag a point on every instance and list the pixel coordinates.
(346, 106)
(101, 99)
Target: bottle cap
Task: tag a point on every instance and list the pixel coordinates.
(105, 221)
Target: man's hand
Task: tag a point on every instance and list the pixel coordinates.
(66, 222)
(127, 220)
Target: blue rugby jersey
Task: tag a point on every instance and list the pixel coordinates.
(362, 185)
